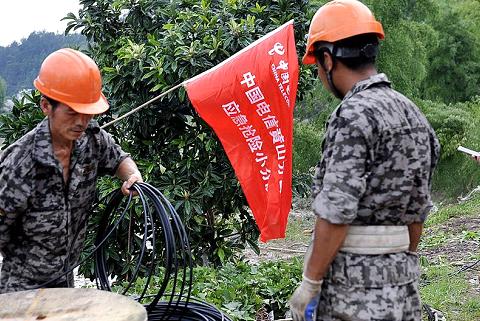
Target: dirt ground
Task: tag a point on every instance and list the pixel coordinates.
(461, 252)
(295, 242)
(456, 249)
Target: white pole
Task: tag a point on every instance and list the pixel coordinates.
(141, 106)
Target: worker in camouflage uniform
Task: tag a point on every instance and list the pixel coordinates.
(372, 186)
(48, 177)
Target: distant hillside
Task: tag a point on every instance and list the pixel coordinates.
(20, 62)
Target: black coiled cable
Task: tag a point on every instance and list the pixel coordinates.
(195, 310)
(161, 225)
(433, 314)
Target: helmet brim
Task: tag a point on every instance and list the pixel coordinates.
(309, 59)
(98, 107)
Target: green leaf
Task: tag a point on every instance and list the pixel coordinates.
(221, 254)
(156, 87)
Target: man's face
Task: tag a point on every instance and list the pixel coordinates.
(66, 123)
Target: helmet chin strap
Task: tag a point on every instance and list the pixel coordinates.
(332, 86)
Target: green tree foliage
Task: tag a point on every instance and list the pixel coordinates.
(25, 115)
(20, 62)
(408, 40)
(454, 64)
(146, 47)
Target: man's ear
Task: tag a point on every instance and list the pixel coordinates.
(45, 106)
(327, 61)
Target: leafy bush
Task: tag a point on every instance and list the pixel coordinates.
(451, 124)
(240, 289)
(455, 124)
(25, 115)
(301, 185)
(306, 146)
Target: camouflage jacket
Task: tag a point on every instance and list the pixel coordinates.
(42, 218)
(379, 153)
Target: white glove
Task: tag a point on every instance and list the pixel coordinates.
(305, 298)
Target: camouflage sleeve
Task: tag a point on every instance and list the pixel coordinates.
(344, 180)
(13, 200)
(111, 154)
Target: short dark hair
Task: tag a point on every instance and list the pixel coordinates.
(358, 42)
(52, 102)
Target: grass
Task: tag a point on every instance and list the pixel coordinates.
(448, 292)
(434, 240)
(299, 227)
(465, 209)
(442, 287)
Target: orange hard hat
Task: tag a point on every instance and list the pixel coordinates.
(340, 19)
(72, 78)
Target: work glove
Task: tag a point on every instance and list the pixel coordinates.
(304, 301)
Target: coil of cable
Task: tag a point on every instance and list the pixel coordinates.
(161, 225)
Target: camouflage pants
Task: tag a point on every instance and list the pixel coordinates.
(13, 282)
(371, 288)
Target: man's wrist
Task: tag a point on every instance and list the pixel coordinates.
(137, 174)
(309, 280)
(314, 285)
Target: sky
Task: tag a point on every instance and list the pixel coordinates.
(19, 18)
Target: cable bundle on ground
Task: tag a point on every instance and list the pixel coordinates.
(433, 314)
(193, 311)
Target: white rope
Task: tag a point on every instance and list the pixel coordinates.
(469, 195)
(143, 105)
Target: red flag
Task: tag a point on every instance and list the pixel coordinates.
(248, 100)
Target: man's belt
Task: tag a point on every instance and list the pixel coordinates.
(376, 239)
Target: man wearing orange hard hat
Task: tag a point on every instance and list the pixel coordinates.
(372, 186)
(48, 177)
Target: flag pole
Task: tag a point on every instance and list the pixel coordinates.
(142, 105)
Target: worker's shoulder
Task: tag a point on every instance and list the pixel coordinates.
(375, 102)
(373, 96)
(359, 109)
(380, 96)
(17, 159)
